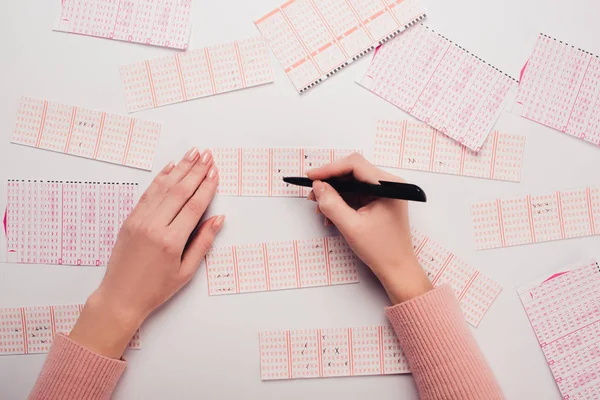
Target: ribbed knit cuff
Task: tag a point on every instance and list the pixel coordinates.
(72, 371)
(441, 351)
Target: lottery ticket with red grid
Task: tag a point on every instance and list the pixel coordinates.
(260, 171)
(196, 73)
(324, 353)
(563, 214)
(166, 23)
(563, 311)
(474, 291)
(560, 88)
(291, 264)
(440, 83)
(31, 330)
(314, 39)
(62, 222)
(418, 146)
(86, 133)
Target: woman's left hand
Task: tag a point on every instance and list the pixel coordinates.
(152, 259)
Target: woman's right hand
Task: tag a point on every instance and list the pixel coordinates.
(378, 232)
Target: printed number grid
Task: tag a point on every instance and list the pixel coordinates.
(563, 312)
(564, 214)
(560, 88)
(165, 23)
(86, 133)
(260, 171)
(31, 330)
(440, 83)
(322, 353)
(416, 145)
(196, 73)
(270, 266)
(63, 222)
(474, 291)
(314, 39)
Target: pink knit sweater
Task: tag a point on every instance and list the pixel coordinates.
(443, 356)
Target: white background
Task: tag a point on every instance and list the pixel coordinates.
(207, 347)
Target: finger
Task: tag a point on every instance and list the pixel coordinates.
(311, 196)
(179, 194)
(149, 200)
(185, 165)
(199, 246)
(334, 207)
(196, 206)
(355, 165)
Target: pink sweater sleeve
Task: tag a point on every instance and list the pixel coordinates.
(73, 372)
(443, 356)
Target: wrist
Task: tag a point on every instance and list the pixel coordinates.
(405, 282)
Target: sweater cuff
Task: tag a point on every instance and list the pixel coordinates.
(77, 372)
(436, 303)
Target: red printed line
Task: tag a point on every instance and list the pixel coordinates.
(578, 91)
(100, 129)
(402, 141)
(322, 48)
(570, 333)
(210, 71)
(500, 222)
(239, 59)
(129, 138)
(320, 352)
(372, 17)
(391, 13)
(52, 322)
(530, 215)
(287, 3)
(326, 24)
(288, 345)
(351, 7)
(71, 127)
(432, 149)
(266, 259)
(431, 76)
(441, 271)
(297, 264)
(240, 172)
(493, 159)
(327, 260)
(289, 23)
(270, 163)
(181, 81)
(42, 123)
(269, 15)
(151, 83)
(420, 247)
(468, 285)
(380, 337)
(350, 350)
(296, 65)
(235, 269)
(588, 197)
(24, 321)
(463, 153)
(116, 19)
(560, 215)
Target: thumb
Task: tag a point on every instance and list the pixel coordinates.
(334, 207)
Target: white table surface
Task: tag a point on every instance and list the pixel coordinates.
(206, 347)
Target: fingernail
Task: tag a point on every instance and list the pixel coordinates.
(218, 223)
(318, 188)
(192, 154)
(212, 173)
(168, 167)
(206, 157)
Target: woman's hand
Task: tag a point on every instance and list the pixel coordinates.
(152, 258)
(378, 231)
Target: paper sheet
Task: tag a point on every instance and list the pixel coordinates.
(260, 171)
(31, 330)
(323, 353)
(314, 39)
(196, 73)
(166, 23)
(440, 83)
(474, 291)
(563, 310)
(416, 145)
(62, 222)
(563, 214)
(86, 133)
(560, 88)
(291, 264)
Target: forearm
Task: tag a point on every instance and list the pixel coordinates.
(443, 356)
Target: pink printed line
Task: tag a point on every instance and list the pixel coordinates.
(351, 7)
(463, 153)
(210, 71)
(570, 333)
(151, 82)
(320, 352)
(266, 259)
(270, 164)
(500, 222)
(207, 275)
(327, 260)
(116, 19)
(288, 345)
(530, 215)
(331, 155)
(300, 189)
(493, 159)
(431, 76)
(52, 322)
(560, 215)
(239, 60)
(350, 352)
(380, 338)
(289, 23)
(588, 197)
(402, 141)
(389, 10)
(441, 271)
(180, 73)
(42, 123)
(578, 92)
(71, 127)
(24, 321)
(240, 181)
(326, 24)
(129, 138)
(62, 222)
(235, 269)
(100, 129)
(297, 264)
(432, 149)
(468, 285)
(420, 247)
